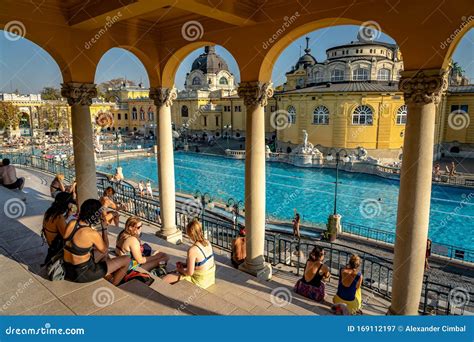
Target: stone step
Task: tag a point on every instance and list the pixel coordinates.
(189, 297)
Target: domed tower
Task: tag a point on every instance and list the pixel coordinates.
(307, 60)
(210, 72)
(297, 77)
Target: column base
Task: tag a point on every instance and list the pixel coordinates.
(175, 236)
(264, 273)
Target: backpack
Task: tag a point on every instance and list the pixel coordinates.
(55, 266)
(143, 277)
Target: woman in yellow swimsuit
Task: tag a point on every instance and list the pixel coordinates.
(200, 268)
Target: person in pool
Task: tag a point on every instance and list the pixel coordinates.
(200, 268)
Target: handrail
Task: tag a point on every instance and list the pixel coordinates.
(278, 249)
(437, 248)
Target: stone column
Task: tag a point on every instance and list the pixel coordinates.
(163, 99)
(255, 95)
(79, 96)
(422, 90)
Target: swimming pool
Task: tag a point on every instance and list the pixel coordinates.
(362, 199)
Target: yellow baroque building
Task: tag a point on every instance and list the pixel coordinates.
(349, 100)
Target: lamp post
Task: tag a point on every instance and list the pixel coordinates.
(185, 133)
(337, 159)
(227, 127)
(118, 141)
(334, 221)
(206, 200)
(234, 206)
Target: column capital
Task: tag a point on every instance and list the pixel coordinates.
(79, 93)
(422, 87)
(162, 96)
(255, 93)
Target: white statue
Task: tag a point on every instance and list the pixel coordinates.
(305, 139)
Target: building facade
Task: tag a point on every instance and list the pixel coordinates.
(349, 100)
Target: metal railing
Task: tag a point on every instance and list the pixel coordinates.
(439, 249)
(278, 249)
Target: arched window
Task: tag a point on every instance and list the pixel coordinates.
(360, 74)
(223, 81)
(337, 75)
(142, 114)
(291, 115)
(318, 77)
(150, 114)
(134, 113)
(362, 115)
(383, 75)
(321, 115)
(196, 81)
(402, 115)
(184, 111)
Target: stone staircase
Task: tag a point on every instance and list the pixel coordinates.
(235, 292)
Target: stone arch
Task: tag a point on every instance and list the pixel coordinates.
(172, 62)
(279, 46)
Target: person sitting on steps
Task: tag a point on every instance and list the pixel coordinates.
(200, 268)
(238, 253)
(349, 287)
(81, 240)
(110, 214)
(54, 223)
(316, 273)
(128, 243)
(8, 176)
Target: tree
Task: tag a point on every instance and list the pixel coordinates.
(50, 93)
(9, 115)
(457, 69)
(103, 88)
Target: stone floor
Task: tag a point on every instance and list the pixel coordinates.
(25, 291)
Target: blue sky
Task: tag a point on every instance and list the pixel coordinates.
(28, 68)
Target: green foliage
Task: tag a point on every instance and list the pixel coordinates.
(50, 93)
(9, 115)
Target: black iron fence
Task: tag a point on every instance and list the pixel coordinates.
(279, 249)
(439, 249)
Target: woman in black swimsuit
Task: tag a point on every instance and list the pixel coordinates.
(80, 241)
(316, 273)
(54, 223)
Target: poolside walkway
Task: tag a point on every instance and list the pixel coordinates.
(25, 291)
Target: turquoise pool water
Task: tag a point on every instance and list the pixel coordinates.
(311, 191)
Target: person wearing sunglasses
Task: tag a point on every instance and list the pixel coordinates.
(128, 243)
